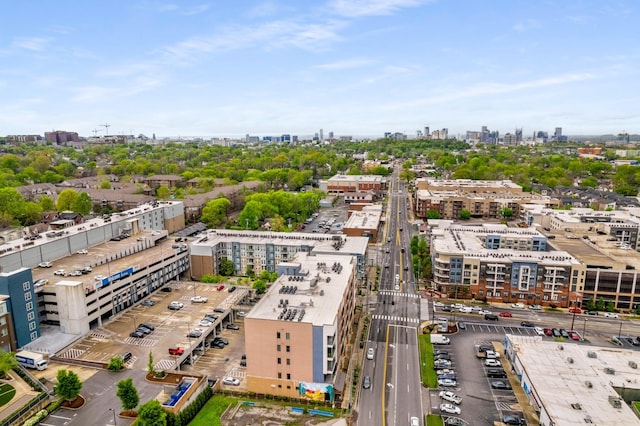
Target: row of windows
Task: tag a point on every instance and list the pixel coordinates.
(288, 361)
(287, 335)
(288, 348)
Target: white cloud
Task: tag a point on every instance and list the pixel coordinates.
(346, 64)
(37, 44)
(355, 8)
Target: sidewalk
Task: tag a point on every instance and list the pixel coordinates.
(24, 394)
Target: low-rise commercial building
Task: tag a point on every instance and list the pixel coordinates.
(297, 335)
(364, 223)
(341, 184)
(570, 384)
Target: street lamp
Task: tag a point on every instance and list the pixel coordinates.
(584, 329)
(620, 331)
(135, 326)
(114, 415)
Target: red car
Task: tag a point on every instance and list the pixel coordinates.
(575, 310)
(574, 335)
(220, 287)
(176, 350)
(548, 331)
(506, 314)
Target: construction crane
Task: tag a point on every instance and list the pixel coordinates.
(95, 132)
(106, 126)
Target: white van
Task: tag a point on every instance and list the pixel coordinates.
(370, 353)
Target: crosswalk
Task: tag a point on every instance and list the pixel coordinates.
(164, 364)
(72, 353)
(141, 342)
(399, 294)
(396, 318)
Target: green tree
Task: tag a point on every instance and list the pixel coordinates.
(591, 305)
(163, 193)
(66, 200)
(250, 272)
(465, 214)
(406, 175)
(115, 364)
(7, 362)
(128, 394)
(506, 213)
(46, 203)
(82, 204)
(433, 214)
(150, 368)
(260, 286)
(105, 184)
(152, 414)
(215, 212)
(69, 385)
(610, 306)
(227, 268)
(600, 304)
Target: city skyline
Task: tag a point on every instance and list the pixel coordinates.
(353, 67)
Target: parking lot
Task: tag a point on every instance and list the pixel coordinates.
(170, 330)
(328, 220)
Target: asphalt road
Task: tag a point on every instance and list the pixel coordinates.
(396, 393)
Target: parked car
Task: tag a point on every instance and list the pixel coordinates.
(241, 314)
(539, 331)
(491, 317)
(500, 384)
(450, 409)
(83, 251)
(462, 325)
(513, 420)
(506, 314)
(148, 302)
(221, 340)
(231, 381)
(446, 357)
(98, 277)
(610, 315)
(535, 307)
(194, 334)
(555, 332)
(370, 353)
(527, 324)
(517, 305)
(442, 363)
(76, 273)
(176, 306)
(166, 289)
(564, 333)
(450, 396)
(205, 323)
(219, 310)
(220, 288)
(233, 327)
(86, 269)
(548, 331)
(199, 299)
(147, 325)
(232, 289)
(496, 373)
(574, 336)
(176, 350)
(451, 376)
(447, 383)
(137, 334)
(145, 331)
(575, 310)
(211, 317)
(45, 264)
(59, 272)
(492, 363)
(595, 313)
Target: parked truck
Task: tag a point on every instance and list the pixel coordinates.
(439, 339)
(31, 360)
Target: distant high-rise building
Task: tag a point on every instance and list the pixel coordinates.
(60, 137)
(321, 135)
(331, 136)
(518, 136)
(426, 132)
(558, 133)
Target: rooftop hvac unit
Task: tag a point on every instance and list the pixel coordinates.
(588, 384)
(633, 364)
(570, 360)
(609, 370)
(615, 402)
(592, 354)
(321, 292)
(560, 348)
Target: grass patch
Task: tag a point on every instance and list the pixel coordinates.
(637, 404)
(213, 409)
(552, 310)
(427, 373)
(434, 420)
(7, 392)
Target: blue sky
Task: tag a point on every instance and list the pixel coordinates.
(354, 67)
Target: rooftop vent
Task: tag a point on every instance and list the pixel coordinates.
(570, 360)
(576, 406)
(592, 354)
(615, 402)
(588, 384)
(609, 370)
(633, 364)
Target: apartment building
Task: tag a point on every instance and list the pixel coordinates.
(297, 335)
(259, 251)
(501, 264)
(483, 199)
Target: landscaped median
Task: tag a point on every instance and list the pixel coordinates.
(427, 373)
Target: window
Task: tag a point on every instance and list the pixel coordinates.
(277, 335)
(288, 348)
(27, 296)
(279, 348)
(31, 316)
(29, 306)
(32, 325)
(279, 375)
(26, 285)
(287, 335)
(34, 336)
(288, 361)
(288, 376)
(279, 360)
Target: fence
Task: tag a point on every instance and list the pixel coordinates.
(18, 415)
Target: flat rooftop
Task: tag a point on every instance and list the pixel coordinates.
(566, 374)
(364, 219)
(319, 290)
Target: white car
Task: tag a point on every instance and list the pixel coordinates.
(370, 353)
(232, 381)
(539, 331)
(199, 299)
(517, 305)
(465, 310)
(76, 273)
(447, 383)
(59, 272)
(83, 251)
(205, 323)
(485, 312)
(442, 363)
(450, 396)
(450, 409)
(99, 277)
(492, 354)
(45, 264)
(241, 314)
(492, 363)
(610, 315)
(438, 304)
